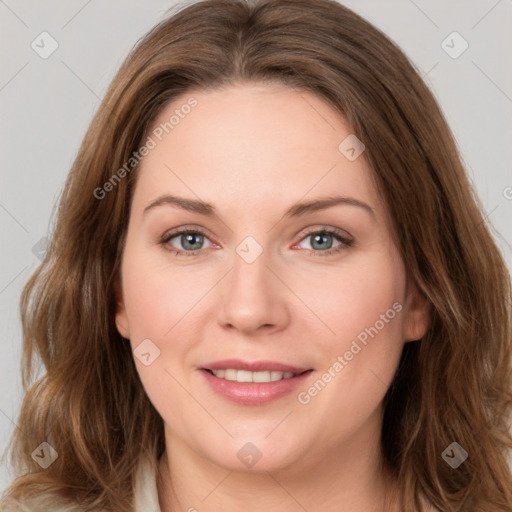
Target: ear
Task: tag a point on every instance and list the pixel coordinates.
(417, 314)
(121, 317)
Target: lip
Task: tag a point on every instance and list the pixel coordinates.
(255, 366)
(253, 393)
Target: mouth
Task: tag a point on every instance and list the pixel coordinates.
(235, 375)
(253, 383)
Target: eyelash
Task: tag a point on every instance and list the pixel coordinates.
(345, 242)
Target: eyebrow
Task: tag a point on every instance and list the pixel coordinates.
(296, 210)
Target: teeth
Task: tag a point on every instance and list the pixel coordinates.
(229, 374)
(243, 376)
(246, 376)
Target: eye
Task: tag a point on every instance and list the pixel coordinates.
(191, 241)
(321, 241)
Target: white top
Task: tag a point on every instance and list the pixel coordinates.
(146, 494)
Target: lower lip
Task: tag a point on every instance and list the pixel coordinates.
(254, 393)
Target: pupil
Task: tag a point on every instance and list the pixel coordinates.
(190, 238)
(320, 238)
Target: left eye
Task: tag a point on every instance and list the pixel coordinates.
(322, 240)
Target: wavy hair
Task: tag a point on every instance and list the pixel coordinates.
(454, 385)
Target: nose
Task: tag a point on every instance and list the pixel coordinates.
(253, 298)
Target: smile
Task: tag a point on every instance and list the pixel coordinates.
(247, 376)
(253, 383)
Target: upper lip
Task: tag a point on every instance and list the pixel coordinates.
(255, 366)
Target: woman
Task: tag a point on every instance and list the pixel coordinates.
(270, 285)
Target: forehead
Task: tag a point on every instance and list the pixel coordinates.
(257, 144)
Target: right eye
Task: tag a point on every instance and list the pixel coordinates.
(189, 239)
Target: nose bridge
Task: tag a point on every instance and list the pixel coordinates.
(250, 265)
(252, 297)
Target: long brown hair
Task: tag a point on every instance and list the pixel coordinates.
(454, 385)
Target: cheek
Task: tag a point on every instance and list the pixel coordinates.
(157, 300)
(155, 297)
(363, 305)
(352, 298)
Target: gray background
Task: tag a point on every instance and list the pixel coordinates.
(47, 104)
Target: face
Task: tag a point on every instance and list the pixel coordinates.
(313, 299)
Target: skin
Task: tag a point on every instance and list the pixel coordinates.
(252, 151)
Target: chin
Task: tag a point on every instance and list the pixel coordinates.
(258, 455)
